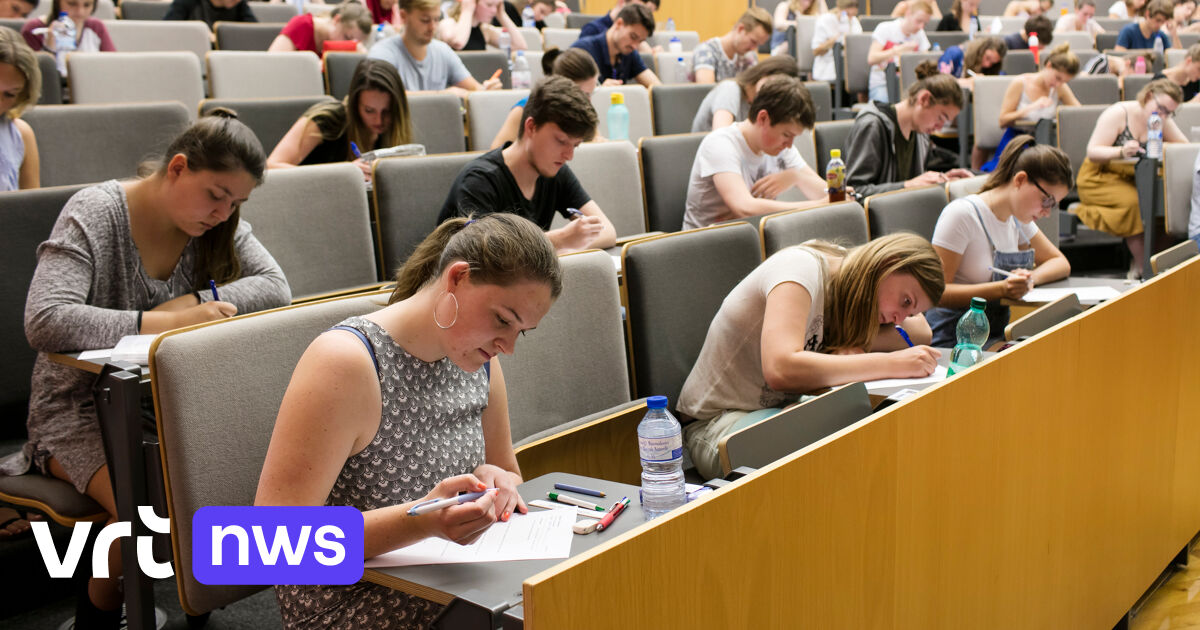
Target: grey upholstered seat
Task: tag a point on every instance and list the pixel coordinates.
(1133, 84)
(1075, 125)
(844, 223)
(1095, 89)
(688, 39)
(608, 171)
(674, 106)
(579, 20)
(131, 77)
(339, 69)
(1179, 170)
(666, 167)
(669, 69)
(147, 36)
(124, 135)
(822, 98)
(674, 285)
(1172, 256)
(857, 69)
(315, 222)
(51, 80)
(559, 37)
(143, 10)
(988, 96)
(828, 136)
(908, 67)
(910, 209)
(486, 112)
(247, 35)
(1018, 62)
(437, 122)
(245, 74)
(269, 118)
(482, 64)
(1078, 40)
(267, 12)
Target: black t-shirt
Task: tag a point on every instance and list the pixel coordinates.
(485, 185)
(1189, 89)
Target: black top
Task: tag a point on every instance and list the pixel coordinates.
(950, 23)
(485, 185)
(513, 14)
(476, 41)
(1189, 89)
(205, 11)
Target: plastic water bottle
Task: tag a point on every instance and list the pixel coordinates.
(995, 27)
(527, 17)
(618, 118)
(972, 332)
(1158, 48)
(64, 40)
(1154, 135)
(681, 70)
(1139, 66)
(937, 47)
(670, 24)
(1034, 44)
(835, 176)
(660, 440)
(973, 27)
(506, 48)
(522, 79)
(674, 46)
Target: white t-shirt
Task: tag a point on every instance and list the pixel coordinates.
(890, 32)
(1066, 24)
(728, 373)
(726, 151)
(1194, 217)
(1120, 10)
(958, 230)
(827, 26)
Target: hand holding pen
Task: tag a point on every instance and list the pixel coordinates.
(1016, 283)
(459, 518)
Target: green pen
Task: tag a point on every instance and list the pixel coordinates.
(562, 498)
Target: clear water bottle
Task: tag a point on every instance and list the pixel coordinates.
(674, 46)
(937, 47)
(506, 47)
(1158, 48)
(670, 24)
(681, 70)
(1154, 136)
(660, 440)
(64, 40)
(618, 118)
(973, 27)
(835, 176)
(522, 79)
(995, 27)
(527, 16)
(972, 333)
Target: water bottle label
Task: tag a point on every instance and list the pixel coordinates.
(663, 449)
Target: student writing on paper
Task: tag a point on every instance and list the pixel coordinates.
(810, 316)
(407, 404)
(130, 257)
(995, 229)
(1034, 96)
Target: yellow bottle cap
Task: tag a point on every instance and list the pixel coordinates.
(835, 153)
(617, 98)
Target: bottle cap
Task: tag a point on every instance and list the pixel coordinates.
(617, 98)
(835, 153)
(978, 303)
(657, 402)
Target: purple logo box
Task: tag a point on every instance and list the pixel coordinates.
(277, 545)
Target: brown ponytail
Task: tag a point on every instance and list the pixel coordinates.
(1039, 161)
(942, 87)
(572, 63)
(1062, 59)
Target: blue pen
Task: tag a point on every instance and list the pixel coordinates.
(905, 335)
(434, 505)
(355, 151)
(569, 488)
(212, 285)
(575, 214)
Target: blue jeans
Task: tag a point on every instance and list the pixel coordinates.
(879, 93)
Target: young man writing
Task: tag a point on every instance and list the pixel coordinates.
(725, 57)
(426, 64)
(530, 178)
(741, 169)
(615, 50)
(1141, 34)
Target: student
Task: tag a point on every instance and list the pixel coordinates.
(729, 101)
(1107, 195)
(211, 11)
(352, 411)
(385, 12)
(17, 9)
(426, 64)
(995, 229)
(1126, 9)
(809, 317)
(21, 84)
(1035, 96)
(348, 21)
(963, 17)
(739, 170)
(1082, 20)
(1039, 24)
(889, 144)
(1185, 74)
(374, 115)
(727, 56)
(981, 56)
(606, 21)
(90, 33)
(573, 64)
(538, 10)
(468, 26)
(901, 9)
(1027, 8)
(894, 38)
(830, 29)
(136, 257)
(785, 16)
(531, 178)
(1142, 34)
(615, 50)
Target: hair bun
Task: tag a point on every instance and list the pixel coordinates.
(222, 112)
(548, 57)
(926, 69)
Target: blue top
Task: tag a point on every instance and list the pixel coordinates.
(1131, 37)
(954, 57)
(627, 68)
(12, 154)
(595, 27)
(521, 103)
(1014, 41)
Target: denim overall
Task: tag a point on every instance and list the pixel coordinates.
(944, 321)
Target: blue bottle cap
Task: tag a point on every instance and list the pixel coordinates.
(657, 402)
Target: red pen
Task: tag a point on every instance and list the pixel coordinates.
(613, 513)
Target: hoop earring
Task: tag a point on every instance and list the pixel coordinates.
(435, 318)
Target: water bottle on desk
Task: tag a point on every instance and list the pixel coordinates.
(681, 70)
(618, 118)
(675, 46)
(971, 333)
(670, 24)
(527, 17)
(521, 76)
(506, 48)
(64, 40)
(1154, 136)
(660, 441)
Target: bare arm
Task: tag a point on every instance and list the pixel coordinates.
(743, 204)
(958, 295)
(1067, 97)
(705, 75)
(825, 46)
(296, 144)
(456, 32)
(282, 44)
(1008, 107)
(592, 231)
(506, 23)
(1100, 146)
(508, 131)
(722, 118)
(30, 174)
(1051, 263)
(648, 78)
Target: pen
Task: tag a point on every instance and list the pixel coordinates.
(903, 334)
(354, 150)
(569, 488)
(554, 496)
(496, 74)
(212, 285)
(434, 505)
(1006, 274)
(613, 513)
(575, 213)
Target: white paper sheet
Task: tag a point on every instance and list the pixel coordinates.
(1087, 295)
(135, 348)
(616, 258)
(535, 536)
(92, 355)
(939, 374)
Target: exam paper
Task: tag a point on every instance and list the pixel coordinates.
(131, 348)
(939, 374)
(1087, 295)
(534, 536)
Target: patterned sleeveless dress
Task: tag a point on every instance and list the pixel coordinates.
(430, 429)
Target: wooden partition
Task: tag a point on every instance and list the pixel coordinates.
(1045, 488)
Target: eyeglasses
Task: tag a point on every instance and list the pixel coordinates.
(1166, 112)
(1048, 200)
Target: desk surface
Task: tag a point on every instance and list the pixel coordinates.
(71, 359)
(1120, 284)
(494, 584)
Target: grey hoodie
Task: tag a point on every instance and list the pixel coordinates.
(871, 166)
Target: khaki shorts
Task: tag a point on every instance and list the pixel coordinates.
(702, 438)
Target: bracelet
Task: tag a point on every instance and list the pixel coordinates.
(199, 300)
(139, 322)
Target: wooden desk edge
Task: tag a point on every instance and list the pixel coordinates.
(376, 576)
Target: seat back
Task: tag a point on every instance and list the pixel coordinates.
(1044, 317)
(1018, 62)
(249, 74)
(1187, 116)
(908, 67)
(808, 153)
(1172, 256)
(559, 37)
(1007, 24)
(576, 21)
(587, 319)
(688, 39)
(822, 98)
(532, 36)
(988, 97)
(1133, 83)
(482, 64)
(267, 12)
(947, 39)
(960, 188)
(1112, 25)
(247, 35)
(794, 428)
(315, 222)
(674, 106)
(51, 80)
(1175, 56)
(805, 25)
(1075, 125)
(844, 223)
(1096, 89)
(486, 112)
(871, 22)
(673, 286)
(143, 10)
(202, 378)
(534, 57)
(268, 118)
(828, 136)
(857, 69)
(339, 69)
(637, 99)
(124, 135)
(608, 171)
(146, 36)
(1179, 171)
(666, 167)
(1106, 41)
(669, 70)
(911, 210)
(437, 122)
(409, 193)
(121, 77)
(1078, 40)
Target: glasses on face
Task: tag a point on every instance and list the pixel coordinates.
(1165, 112)
(1048, 200)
